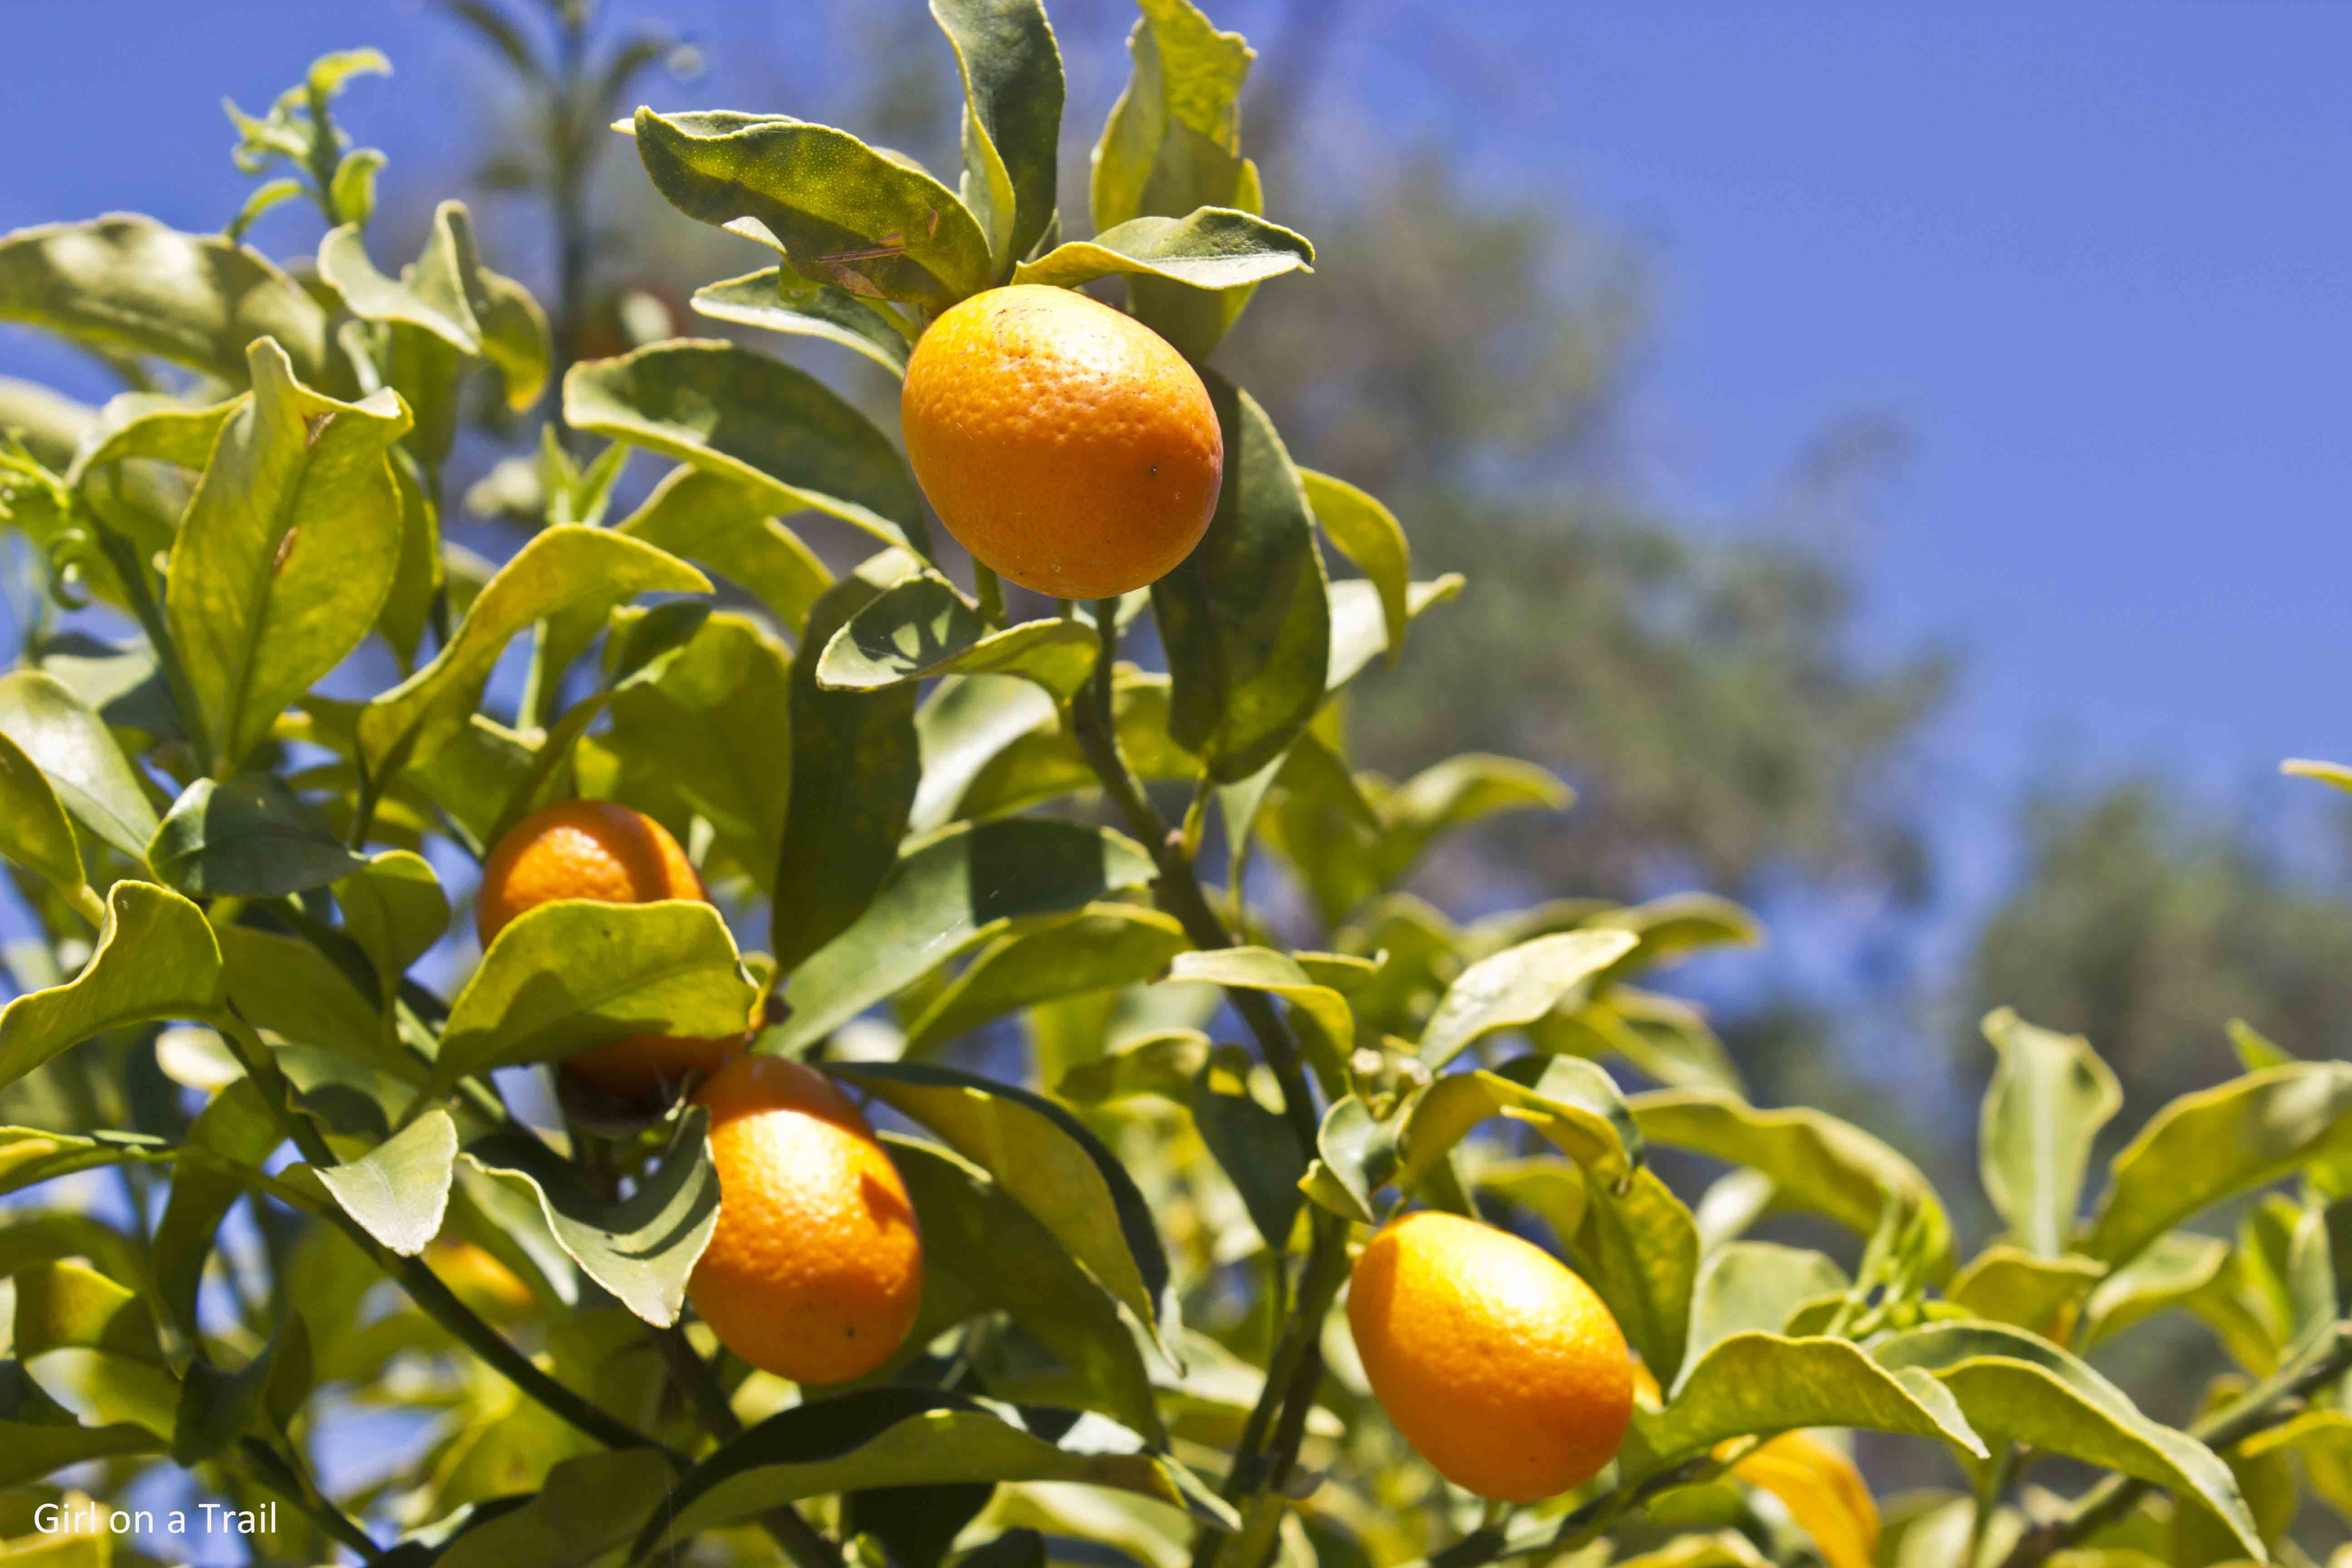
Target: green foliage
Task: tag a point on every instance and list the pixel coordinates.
(1152, 1113)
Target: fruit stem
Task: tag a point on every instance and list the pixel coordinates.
(2277, 1399)
(1179, 885)
(991, 591)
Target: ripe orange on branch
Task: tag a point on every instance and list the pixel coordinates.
(1495, 1362)
(606, 852)
(815, 1271)
(1064, 444)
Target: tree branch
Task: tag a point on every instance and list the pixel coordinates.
(806, 1545)
(1179, 885)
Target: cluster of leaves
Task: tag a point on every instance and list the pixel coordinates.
(1136, 1239)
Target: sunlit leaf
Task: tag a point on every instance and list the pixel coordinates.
(757, 421)
(156, 958)
(923, 627)
(1763, 1385)
(1099, 947)
(571, 975)
(2049, 1096)
(2012, 1384)
(643, 1248)
(840, 212)
(782, 301)
(949, 892)
(1044, 1158)
(130, 284)
(1214, 248)
(2207, 1146)
(1516, 987)
(1815, 1160)
(1012, 72)
(76, 752)
(984, 1251)
(558, 570)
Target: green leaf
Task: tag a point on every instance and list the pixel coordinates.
(156, 958)
(1173, 143)
(291, 988)
(711, 725)
(1359, 623)
(1047, 1160)
(1278, 975)
(1815, 1160)
(251, 838)
(286, 552)
(984, 1251)
(226, 1143)
(950, 892)
(1163, 1063)
(923, 627)
(421, 576)
(217, 1408)
(571, 975)
(782, 301)
(398, 1190)
(2207, 1146)
(1047, 762)
(755, 420)
(91, 1342)
(589, 1507)
(1215, 247)
(1572, 1103)
(2027, 1289)
(725, 527)
(1369, 534)
(839, 211)
(560, 570)
(908, 1436)
(72, 746)
(1097, 948)
(1245, 617)
(1253, 1143)
(31, 1155)
(2012, 1384)
(1012, 90)
(450, 296)
(643, 1248)
(149, 424)
(128, 284)
(37, 1438)
(2166, 1273)
(33, 829)
(352, 190)
(855, 767)
(961, 728)
(1754, 1286)
(2049, 1096)
(1355, 1158)
(1179, 109)
(393, 907)
(1516, 987)
(1765, 1383)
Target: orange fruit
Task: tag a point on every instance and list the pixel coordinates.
(1497, 1364)
(652, 1065)
(581, 849)
(1064, 444)
(601, 850)
(815, 1271)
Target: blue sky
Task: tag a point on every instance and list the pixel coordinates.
(2090, 258)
